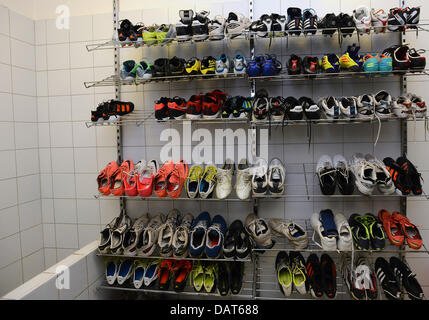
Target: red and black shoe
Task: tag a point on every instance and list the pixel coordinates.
(399, 176)
(165, 273)
(194, 107)
(294, 65)
(161, 109)
(177, 108)
(212, 104)
(111, 108)
(414, 176)
(182, 270)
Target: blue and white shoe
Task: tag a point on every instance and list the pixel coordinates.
(271, 66)
(254, 67)
(139, 271)
(198, 234)
(215, 237)
(223, 65)
(240, 64)
(144, 72)
(129, 70)
(125, 271)
(112, 269)
(151, 273)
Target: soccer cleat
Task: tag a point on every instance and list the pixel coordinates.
(410, 231)
(399, 176)
(125, 31)
(129, 70)
(309, 19)
(271, 66)
(261, 106)
(104, 178)
(276, 177)
(397, 19)
(176, 66)
(145, 71)
(385, 64)
(198, 233)
(330, 63)
(284, 273)
(192, 185)
(217, 28)
(184, 26)
(240, 64)
(345, 236)
(299, 275)
(408, 279)
(351, 60)
(236, 24)
(346, 24)
(278, 26)
(149, 35)
(294, 66)
(117, 235)
(259, 231)
(151, 273)
(117, 178)
(194, 107)
(131, 180)
(106, 236)
(296, 234)
(391, 227)
(326, 174)
(382, 176)
(365, 278)
(362, 19)
(177, 108)
(208, 182)
(375, 230)
(215, 237)
(176, 179)
(399, 55)
(310, 65)
(243, 184)
(146, 178)
(354, 281)
(223, 279)
(294, 21)
(311, 110)
(236, 276)
(262, 27)
(193, 66)
(210, 276)
(314, 274)
(165, 273)
(324, 226)
(147, 242)
(129, 245)
(224, 179)
(165, 34)
(365, 106)
(125, 271)
(180, 242)
(413, 17)
(293, 109)
(212, 103)
(160, 68)
(111, 270)
(166, 232)
(402, 107)
(182, 270)
(360, 232)
(328, 24)
(208, 65)
(228, 107)
(364, 173)
(379, 19)
(418, 105)
(260, 177)
(371, 64)
(348, 107)
(277, 108)
(160, 180)
(139, 270)
(330, 106)
(254, 67)
(417, 61)
(197, 276)
(344, 176)
(329, 276)
(200, 26)
(383, 105)
(387, 279)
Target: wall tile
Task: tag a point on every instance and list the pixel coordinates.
(27, 162)
(7, 164)
(9, 222)
(59, 82)
(11, 277)
(65, 210)
(58, 56)
(23, 54)
(8, 190)
(64, 186)
(66, 235)
(49, 236)
(26, 135)
(30, 214)
(40, 32)
(80, 28)
(62, 160)
(32, 240)
(23, 27)
(55, 35)
(24, 81)
(5, 52)
(10, 250)
(29, 188)
(33, 264)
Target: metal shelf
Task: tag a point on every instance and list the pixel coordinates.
(154, 198)
(172, 258)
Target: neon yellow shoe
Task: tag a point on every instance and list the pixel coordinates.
(330, 63)
(347, 63)
(197, 276)
(149, 35)
(208, 182)
(193, 181)
(210, 275)
(165, 34)
(208, 65)
(193, 66)
(299, 272)
(284, 274)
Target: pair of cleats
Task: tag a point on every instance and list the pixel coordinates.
(333, 231)
(399, 230)
(359, 277)
(205, 66)
(259, 231)
(139, 180)
(225, 65)
(366, 19)
(291, 273)
(401, 19)
(237, 243)
(174, 271)
(132, 71)
(264, 66)
(236, 107)
(268, 178)
(409, 106)
(333, 172)
(164, 67)
(151, 35)
(405, 58)
(405, 176)
(296, 234)
(207, 236)
(344, 23)
(111, 179)
(170, 178)
(201, 182)
(308, 65)
(111, 108)
(322, 276)
(112, 236)
(367, 232)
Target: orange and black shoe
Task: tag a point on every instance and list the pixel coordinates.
(165, 274)
(177, 108)
(409, 230)
(212, 104)
(399, 176)
(98, 113)
(392, 228)
(111, 108)
(181, 274)
(413, 175)
(104, 178)
(161, 109)
(194, 107)
(117, 187)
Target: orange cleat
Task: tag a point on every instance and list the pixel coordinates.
(176, 179)
(160, 180)
(130, 180)
(117, 180)
(392, 228)
(104, 177)
(409, 230)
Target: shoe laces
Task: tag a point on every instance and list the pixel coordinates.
(259, 225)
(163, 170)
(210, 174)
(222, 176)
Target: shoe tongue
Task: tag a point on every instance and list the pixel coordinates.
(232, 16)
(186, 16)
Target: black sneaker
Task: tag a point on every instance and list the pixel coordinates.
(192, 66)
(227, 108)
(413, 175)
(328, 24)
(310, 65)
(184, 26)
(413, 17)
(403, 274)
(294, 110)
(399, 54)
(397, 19)
(376, 231)
(329, 276)
(238, 110)
(314, 273)
(294, 65)
(399, 176)
(309, 18)
(311, 109)
(346, 24)
(160, 68)
(283, 267)
(344, 176)
(278, 26)
(417, 61)
(223, 279)
(243, 245)
(229, 250)
(177, 108)
(361, 236)
(236, 277)
(277, 108)
(126, 31)
(262, 27)
(200, 26)
(387, 279)
(176, 66)
(208, 65)
(260, 106)
(326, 174)
(294, 21)
(161, 109)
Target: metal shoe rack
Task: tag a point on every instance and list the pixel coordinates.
(260, 274)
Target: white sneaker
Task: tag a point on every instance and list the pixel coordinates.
(365, 178)
(181, 237)
(217, 28)
(345, 238)
(131, 237)
(243, 184)
(149, 237)
(240, 64)
(259, 231)
(366, 106)
(327, 243)
(383, 178)
(276, 177)
(402, 107)
(111, 270)
(348, 107)
(139, 270)
(166, 233)
(418, 105)
(224, 179)
(223, 65)
(383, 105)
(260, 177)
(236, 24)
(362, 19)
(379, 20)
(151, 273)
(295, 233)
(330, 106)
